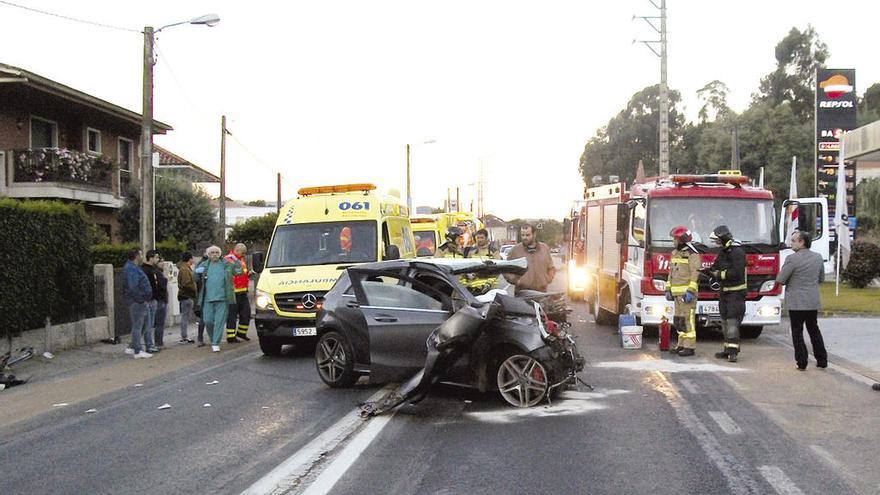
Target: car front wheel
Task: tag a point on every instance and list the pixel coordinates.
(335, 360)
(522, 380)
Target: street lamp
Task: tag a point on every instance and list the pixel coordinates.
(408, 188)
(148, 225)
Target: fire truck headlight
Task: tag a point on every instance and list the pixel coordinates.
(767, 310)
(768, 286)
(263, 300)
(577, 277)
(659, 285)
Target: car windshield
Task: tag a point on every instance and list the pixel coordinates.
(426, 242)
(752, 221)
(323, 243)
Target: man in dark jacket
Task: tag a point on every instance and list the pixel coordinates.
(159, 306)
(730, 270)
(138, 295)
(186, 294)
(801, 274)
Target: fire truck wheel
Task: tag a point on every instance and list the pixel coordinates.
(751, 332)
(602, 316)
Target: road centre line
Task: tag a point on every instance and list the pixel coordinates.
(779, 481)
(287, 474)
(690, 386)
(337, 469)
(739, 482)
(725, 422)
(733, 383)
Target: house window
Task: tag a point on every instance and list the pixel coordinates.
(93, 140)
(126, 147)
(44, 133)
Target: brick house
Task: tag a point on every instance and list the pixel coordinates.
(59, 143)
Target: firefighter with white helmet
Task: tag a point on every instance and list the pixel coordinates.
(682, 288)
(451, 248)
(730, 271)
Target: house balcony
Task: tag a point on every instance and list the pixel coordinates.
(53, 173)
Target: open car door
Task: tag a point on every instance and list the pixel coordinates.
(809, 215)
(400, 313)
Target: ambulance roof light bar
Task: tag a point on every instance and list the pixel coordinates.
(733, 177)
(342, 188)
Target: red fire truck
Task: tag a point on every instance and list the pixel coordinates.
(627, 244)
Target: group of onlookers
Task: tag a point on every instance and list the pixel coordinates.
(215, 291)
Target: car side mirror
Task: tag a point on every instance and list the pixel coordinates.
(392, 252)
(258, 261)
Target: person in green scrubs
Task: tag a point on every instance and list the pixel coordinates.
(217, 292)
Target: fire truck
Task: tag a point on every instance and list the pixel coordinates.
(628, 248)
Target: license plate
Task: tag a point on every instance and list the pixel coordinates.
(305, 332)
(709, 309)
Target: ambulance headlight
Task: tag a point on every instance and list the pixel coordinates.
(768, 286)
(659, 285)
(263, 300)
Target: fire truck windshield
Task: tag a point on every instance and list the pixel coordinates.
(752, 221)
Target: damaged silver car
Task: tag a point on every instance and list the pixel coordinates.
(420, 322)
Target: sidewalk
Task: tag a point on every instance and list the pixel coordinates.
(76, 375)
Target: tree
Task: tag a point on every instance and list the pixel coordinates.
(182, 213)
(869, 105)
(255, 233)
(714, 98)
(547, 231)
(632, 135)
(256, 202)
(798, 56)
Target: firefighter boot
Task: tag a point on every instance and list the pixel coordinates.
(230, 336)
(731, 339)
(686, 351)
(723, 354)
(731, 357)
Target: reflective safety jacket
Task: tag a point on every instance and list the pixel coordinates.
(731, 267)
(684, 271)
(240, 281)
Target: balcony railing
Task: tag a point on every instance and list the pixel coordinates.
(64, 166)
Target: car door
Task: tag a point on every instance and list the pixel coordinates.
(400, 314)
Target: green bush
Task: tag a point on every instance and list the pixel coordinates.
(117, 254)
(254, 232)
(47, 266)
(864, 264)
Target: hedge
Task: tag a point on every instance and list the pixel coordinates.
(117, 254)
(47, 266)
(864, 264)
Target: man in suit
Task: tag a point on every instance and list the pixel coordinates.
(801, 274)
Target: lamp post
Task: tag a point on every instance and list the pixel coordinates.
(148, 221)
(408, 186)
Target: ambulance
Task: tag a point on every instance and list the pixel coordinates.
(318, 235)
(427, 233)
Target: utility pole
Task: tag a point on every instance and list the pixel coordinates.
(457, 198)
(448, 200)
(663, 165)
(734, 150)
(148, 230)
(278, 202)
(408, 189)
(222, 200)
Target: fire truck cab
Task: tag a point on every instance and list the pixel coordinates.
(628, 247)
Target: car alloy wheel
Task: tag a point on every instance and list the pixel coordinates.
(334, 360)
(522, 380)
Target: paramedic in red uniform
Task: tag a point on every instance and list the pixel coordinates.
(239, 314)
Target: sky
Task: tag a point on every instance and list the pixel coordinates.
(331, 91)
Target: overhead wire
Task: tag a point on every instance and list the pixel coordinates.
(69, 18)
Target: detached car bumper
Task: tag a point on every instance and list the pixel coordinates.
(285, 329)
(766, 310)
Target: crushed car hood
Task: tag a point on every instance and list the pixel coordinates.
(458, 266)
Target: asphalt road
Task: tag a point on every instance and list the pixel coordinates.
(653, 424)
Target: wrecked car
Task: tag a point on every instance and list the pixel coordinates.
(416, 322)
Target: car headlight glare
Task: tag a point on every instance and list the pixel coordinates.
(659, 285)
(768, 286)
(263, 300)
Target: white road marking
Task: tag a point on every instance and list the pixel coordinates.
(779, 481)
(725, 422)
(733, 383)
(289, 472)
(337, 469)
(691, 387)
(840, 369)
(827, 457)
(569, 403)
(667, 366)
(739, 482)
(773, 414)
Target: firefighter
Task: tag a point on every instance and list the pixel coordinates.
(483, 248)
(684, 273)
(450, 248)
(730, 271)
(239, 315)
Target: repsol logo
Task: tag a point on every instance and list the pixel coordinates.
(836, 104)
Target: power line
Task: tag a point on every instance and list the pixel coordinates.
(258, 160)
(68, 18)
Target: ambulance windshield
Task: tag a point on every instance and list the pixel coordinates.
(323, 243)
(752, 221)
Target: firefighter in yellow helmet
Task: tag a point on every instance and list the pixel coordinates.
(682, 288)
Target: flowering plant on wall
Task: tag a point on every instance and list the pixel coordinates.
(62, 165)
